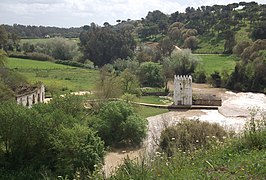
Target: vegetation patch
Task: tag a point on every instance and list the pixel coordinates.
(145, 111)
(57, 78)
(216, 62)
(152, 100)
(118, 125)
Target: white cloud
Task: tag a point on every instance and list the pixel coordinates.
(66, 13)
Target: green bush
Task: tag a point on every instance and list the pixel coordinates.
(150, 74)
(188, 135)
(200, 77)
(254, 133)
(118, 125)
(50, 138)
(34, 55)
(73, 63)
(215, 79)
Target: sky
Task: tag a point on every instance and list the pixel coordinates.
(76, 13)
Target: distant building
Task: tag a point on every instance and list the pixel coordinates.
(183, 90)
(29, 95)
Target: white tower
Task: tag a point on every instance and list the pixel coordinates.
(183, 90)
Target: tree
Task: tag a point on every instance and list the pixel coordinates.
(199, 76)
(78, 149)
(182, 63)
(122, 64)
(27, 47)
(2, 58)
(69, 104)
(60, 48)
(109, 85)
(174, 34)
(191, 42)
(129, 82)
(117, 124)
(103, 45)
(215, 79)
(158, 18)
(230, 41)
(3, 37)
(149, 52)
(6, 94)
(150, 74)
(239, 47)
(20, 134)
(47, 139)
(167, 46)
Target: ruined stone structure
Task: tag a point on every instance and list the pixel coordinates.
(27, 96)
(183, 90)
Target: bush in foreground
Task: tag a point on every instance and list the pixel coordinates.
(188, 135)
(47, 139)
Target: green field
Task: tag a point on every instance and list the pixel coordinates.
(145, 111)
(152, 100)
(55, 76)
(216, 62)
(209, 43)
(43, 40)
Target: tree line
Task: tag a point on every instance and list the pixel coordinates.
(29, 32)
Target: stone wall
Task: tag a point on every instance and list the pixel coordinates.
(207, 100)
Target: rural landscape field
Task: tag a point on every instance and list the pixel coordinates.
(173, 93)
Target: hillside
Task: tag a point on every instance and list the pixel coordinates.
(56, 77)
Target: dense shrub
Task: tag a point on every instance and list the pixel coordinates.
(47, 138)
(215, 79)
(254, 133)
(180, 63)
(150, 74)
(122, 64)
(73, 63)
(62, 48)
(34, 55)
(5, 92)
(199, 77)
(188, 135)
(117, 124)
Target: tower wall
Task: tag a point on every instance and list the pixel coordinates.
(182, 90)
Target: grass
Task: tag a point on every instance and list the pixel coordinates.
(216, 62)
(152, 100)
(145, 111)
(243, 34)
(34, 41)
(56, 77)
(209, 43)
(43, 40)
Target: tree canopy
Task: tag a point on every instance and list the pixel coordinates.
(104, 45)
